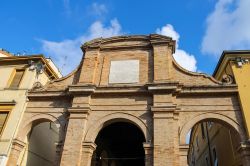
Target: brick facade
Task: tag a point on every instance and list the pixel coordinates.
(165, 103)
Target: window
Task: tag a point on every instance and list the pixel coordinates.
(207, 162)
(210, 124)
(215, 157)
(4, 113)
(202, 131)
(197, 143)
(16, 78)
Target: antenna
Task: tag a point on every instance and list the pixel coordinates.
(24, 53)
(64, 61)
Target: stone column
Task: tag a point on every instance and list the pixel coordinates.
(87, 152)
(16, 149)
(148, 148)
(72, 147)
(183, 152)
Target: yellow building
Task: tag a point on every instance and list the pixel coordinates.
(18, 74)
(213, 144)
(234, 67)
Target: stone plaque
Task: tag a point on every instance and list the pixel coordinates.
(124, 71)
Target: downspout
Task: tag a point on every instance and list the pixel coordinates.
(209, 147)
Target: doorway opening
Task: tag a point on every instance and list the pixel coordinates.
(119, 144)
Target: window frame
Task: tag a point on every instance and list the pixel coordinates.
(12, 76)
(5, 108)
(215, 158)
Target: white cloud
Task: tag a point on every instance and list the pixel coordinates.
(183, 58)
(67, 53)
(98, 9)
(228, 27)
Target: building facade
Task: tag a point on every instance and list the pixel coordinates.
(234, 67)
(218, 145)
(18, 75)
(127, 102)
(213, 144)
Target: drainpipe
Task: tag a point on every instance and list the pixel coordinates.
(209, 147)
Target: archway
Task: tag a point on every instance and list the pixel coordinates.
(213, 117)
(119, 144)
(214, 139)
(42, 145)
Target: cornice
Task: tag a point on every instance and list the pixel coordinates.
(25, 59)
(81, 89)
(135, 41)
(209, 89)
(228, 56)
(142, 89)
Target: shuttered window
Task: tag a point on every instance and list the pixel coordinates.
(3, 118)
(17, 79)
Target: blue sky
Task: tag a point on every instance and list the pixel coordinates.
(56, 28)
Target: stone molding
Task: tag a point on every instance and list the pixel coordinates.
(136, 41)
(18, 144)
(165, 112)
(89, 147)
(183, 149)
(148, 147)
(81, 89)
(244, 148)
(79, 112)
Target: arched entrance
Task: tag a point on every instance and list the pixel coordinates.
(213, 142)
(119, 144)
(41, 146)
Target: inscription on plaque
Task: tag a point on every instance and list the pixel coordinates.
(124, 71)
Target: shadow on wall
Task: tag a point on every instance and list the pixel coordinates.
(42, 145)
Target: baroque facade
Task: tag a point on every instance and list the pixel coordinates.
(128, 90)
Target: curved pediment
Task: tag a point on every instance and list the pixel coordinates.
(130, 60)
(134, 41)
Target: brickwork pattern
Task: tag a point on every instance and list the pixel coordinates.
(165, 103)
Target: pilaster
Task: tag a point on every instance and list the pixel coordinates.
(165, 134)
(165, 116)
(162, 52)
(76, 128)
(88, 149)
(183, 152)
(89, 66)
(148, 148)
(16, 149)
